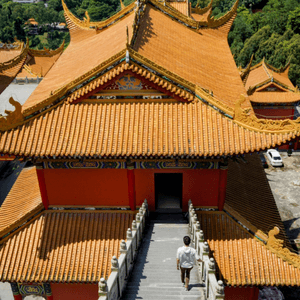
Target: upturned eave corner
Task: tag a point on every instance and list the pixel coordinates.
(201, 11)
(248, 120)
(16, 60)
(87, 24)
(46, 52)
(276, 246)
(229, 16)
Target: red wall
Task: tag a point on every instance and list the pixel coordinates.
(201, 186)
(98, 187)
(241, 293)
(109, 187)
(284, 113)
(74, 291)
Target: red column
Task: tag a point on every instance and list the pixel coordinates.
(222, 188)
(49, 297)
(42, 184)
(296, 143)
(254, 293)
(18, 297)
(131, 188)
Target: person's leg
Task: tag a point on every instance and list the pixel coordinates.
(182, 274)
(187, 279)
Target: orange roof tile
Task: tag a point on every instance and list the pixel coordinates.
(202, 58)
(87, 56)
(10, 67)
(248, 193)
(64, 246)
(182, 6)
(263, 72)
(40, 62)
(142, 129)
(22, 202)
(242, 259)
(275, 97)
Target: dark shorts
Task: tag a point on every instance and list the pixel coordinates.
(185, 272)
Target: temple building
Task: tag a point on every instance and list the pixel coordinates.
(272, 94)
(147, 102)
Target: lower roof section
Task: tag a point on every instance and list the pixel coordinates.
(64, 246)
(141, 129)
(22, 202)
(242, 259)
(249, 197)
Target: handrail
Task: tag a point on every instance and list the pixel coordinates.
(214, 289)
(121, 267)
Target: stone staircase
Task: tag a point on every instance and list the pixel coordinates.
(154, 275)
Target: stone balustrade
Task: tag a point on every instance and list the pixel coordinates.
(121, 267)
(214, 289)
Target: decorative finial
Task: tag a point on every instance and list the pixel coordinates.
(114, 263)
(127, 57)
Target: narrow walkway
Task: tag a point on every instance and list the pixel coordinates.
(155, 275)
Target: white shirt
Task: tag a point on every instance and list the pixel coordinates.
(187, 256)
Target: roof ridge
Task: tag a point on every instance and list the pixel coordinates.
(46, 52)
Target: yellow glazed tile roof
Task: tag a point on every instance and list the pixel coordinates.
(40, 62)
(242, 259)
(64, 246)
(134, 129)
(202, 58)
(24, 200)
(248, 193)
(87, 54)
(275, 97)
(182, 6)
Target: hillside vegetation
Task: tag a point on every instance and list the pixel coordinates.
(271, 32)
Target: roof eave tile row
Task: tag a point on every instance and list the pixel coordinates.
(134, 129)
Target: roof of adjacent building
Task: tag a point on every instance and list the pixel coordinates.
(39, 62)
(242, 259)
(22, 202)
(267, 84)
(64, 246)
(249, 197)
(12, 59)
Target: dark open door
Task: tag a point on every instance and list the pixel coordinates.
(168, 190)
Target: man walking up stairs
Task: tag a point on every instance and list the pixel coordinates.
(155, 274)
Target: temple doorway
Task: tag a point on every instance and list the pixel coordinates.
(168, 191)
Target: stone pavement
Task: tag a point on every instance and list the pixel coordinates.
(5, 291)
(154, 274)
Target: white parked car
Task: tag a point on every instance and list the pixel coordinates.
(274, 158)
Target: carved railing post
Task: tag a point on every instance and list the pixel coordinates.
(114, 264)
(220, 290)
(102, 288)
(129, 234)
(123, 247)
